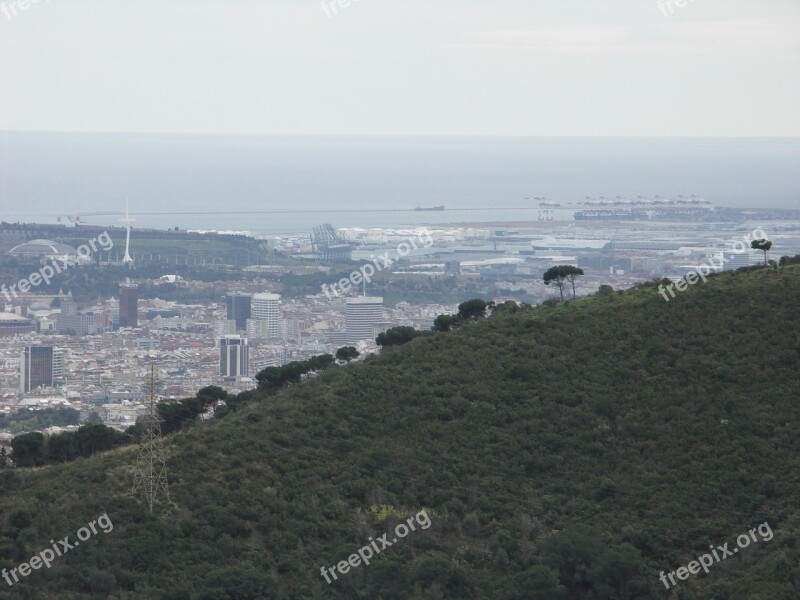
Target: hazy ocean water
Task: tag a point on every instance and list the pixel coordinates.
(377, 180)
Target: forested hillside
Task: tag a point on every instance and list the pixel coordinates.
(569, 451)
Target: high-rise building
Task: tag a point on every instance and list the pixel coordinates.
(68, 320)
(86, 323)
(257, 329)
(68, 306)
(452, 268)
(238, 305)
(224, 327)
(40, 366)
(234, 359)
(267, 307)
(58, 365)
(290, 330)
(363, 316)
(737, 260)
(128, 305)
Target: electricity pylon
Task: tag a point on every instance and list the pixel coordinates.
(151, 467)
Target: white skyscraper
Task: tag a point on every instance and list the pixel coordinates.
(267, 307)
(736, 260)
(363, 315)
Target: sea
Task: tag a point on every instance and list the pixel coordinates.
(287, 184)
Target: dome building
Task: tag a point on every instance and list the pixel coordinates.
(44, 249)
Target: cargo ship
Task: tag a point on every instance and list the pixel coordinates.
(422, 208)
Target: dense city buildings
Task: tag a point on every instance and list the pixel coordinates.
(71, 321)
(198, 343)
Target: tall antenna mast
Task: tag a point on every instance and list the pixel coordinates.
(127, 220)
(151, 467)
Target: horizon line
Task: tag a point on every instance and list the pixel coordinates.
(401, 135)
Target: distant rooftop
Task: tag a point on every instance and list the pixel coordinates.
(11, 317)
(365, 300)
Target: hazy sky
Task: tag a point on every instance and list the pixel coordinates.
(505, 67)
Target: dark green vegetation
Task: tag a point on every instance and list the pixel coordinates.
(763, 245)
(468, 312)
(397, 336)
(34, 449)
(177, 414)
(560, 275)
(273, 378)
(32, 420)
(347, 353)
(571, 451)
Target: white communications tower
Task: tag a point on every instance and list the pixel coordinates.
(127, 220)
